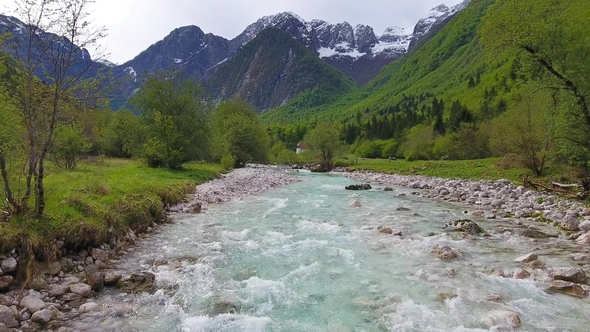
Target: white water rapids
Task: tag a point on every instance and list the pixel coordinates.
(298, 258)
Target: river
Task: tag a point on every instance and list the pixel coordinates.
(298, 258)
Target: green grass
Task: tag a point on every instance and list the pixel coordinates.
(485, 169)
(100, 201)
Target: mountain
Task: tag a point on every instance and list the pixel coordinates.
(46, 45)
(449, 63)
(436, 17)
(274, 68)
(357, 51)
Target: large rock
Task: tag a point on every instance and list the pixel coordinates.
(568, 288)
(580, 257)
(583, 239)
(3, 328)
(364, 186)
(6, 282)
(38, 284)
(465, 225)
(67, 265)
(533, 233)
(570, 223)
(8, 265)
(527, 258)
(7, 317)
(58, 290)
(100, 255)
(572, 274)
(323, 167)
(504, 319)
(355, 204)
(88, 307)
(32, 304)
(584, 226)
(94, 278)
(42, 316)
(111, 278)
(81, 289)
(137, 283)
(223, 307)
(444, 252)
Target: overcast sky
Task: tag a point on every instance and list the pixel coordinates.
(134, 25)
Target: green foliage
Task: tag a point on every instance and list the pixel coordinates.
(122, 135)
(238, 132)
(228, 162)
(324, 141)
(419, 143)
(527, 129)
(175, 118)
(279, 154)
(69, 145)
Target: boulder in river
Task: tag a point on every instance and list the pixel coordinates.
(444, 252)
(223, 307)
(508, 319)
(137, 283)
(355, 204)
(364, 186)
(465, 225)
(533, 233)
(527, 258)
(387, 189)
(568, 288)
(572, 274)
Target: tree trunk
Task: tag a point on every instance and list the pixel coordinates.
(4, 173)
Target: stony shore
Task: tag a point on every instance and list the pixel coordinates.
(533, 211)
(65, 288)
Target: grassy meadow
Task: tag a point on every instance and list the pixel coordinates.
(101, 200)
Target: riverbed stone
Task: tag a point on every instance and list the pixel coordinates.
(521, 274)
(570, 223)
(527, 258)
(94, 278)
(572, 274)
(87, 307)
(6, 282)
(7, 317)
(33, 304)
(3, 328)
(466, 226)
(42, 316)
(8, 265)
(112, 277)
(583, 239)
(355, 204)
(534, 233)
(584, 226)
(223, 307)
(81, 289)
(58, 290)
(579, 257)
(54, 268)
(502, 318)
(387, 189)
(444, 252)
(568, 288)
(100, 255)
(67, 265)
(137, 283)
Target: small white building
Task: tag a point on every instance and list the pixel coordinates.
(301, 147)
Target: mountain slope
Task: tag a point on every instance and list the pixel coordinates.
(450, 64)
(274, 68)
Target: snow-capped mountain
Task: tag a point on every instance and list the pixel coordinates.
(436, 16)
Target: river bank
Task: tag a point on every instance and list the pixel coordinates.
(64, 288)
(304, 258)
(495, 199)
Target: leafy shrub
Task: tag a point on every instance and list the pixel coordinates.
(68, 146)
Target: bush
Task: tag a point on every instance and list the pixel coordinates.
(228, 162)
(68, 146)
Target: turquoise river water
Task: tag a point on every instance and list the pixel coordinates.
(298, 258)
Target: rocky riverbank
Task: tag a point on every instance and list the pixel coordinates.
(533, 212)
(64, 289)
